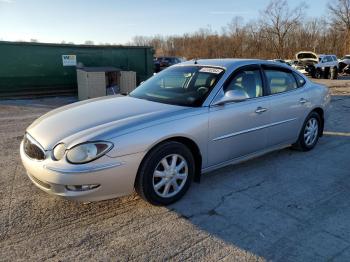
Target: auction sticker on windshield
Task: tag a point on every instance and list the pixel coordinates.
(211, 70)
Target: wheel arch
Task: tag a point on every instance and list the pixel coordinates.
(190, 144)
(320, 112)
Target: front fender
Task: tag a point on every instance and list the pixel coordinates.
(193, 127)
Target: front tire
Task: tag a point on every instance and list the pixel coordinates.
(327, 73)
(318, 74)
(165, 174)
(309, 133)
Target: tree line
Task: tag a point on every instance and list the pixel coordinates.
(279, 32)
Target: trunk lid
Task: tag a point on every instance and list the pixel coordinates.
(306, 56)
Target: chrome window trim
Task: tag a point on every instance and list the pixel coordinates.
(299, 88)
(262, 97)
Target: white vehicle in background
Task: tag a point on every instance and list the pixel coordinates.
(344, 64)
(317, 66)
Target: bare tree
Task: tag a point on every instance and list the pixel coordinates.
(278, 21)
(340, 19)
(89, 42)
(278, 32)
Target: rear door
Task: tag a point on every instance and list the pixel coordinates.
(237, 129)
(288, 104)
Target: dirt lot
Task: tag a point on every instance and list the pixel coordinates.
(285, 206)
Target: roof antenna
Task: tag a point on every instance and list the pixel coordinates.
(195, 61)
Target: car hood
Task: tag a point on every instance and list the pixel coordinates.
(82, 121)
(306, 55)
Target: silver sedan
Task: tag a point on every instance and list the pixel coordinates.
(189, 119)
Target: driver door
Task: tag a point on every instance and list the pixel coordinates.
(237, 129)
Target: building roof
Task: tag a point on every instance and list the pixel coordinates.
(23, 43)
(99, 69)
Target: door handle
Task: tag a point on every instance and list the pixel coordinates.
(260, 110)
(302, 101)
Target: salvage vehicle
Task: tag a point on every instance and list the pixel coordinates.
(344, 64)
(185, 121)
(317, 66)
(281, 61)
(163, 62)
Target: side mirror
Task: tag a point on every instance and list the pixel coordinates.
(232, 96)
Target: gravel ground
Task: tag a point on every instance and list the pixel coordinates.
(284, 206)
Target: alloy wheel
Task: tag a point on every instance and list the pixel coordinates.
(170, 175)
(311, 131)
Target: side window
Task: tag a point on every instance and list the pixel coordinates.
(280, 81)
(248, 81)
(300, 80)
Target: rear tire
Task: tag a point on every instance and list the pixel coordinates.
(312, 72)
(165, 174)
(310, 133)
(327, 73)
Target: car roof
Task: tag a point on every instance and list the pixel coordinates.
(323, 55)
(229, 63)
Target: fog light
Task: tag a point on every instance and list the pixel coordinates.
(81, 187)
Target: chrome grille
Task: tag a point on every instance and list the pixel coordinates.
(32, 149)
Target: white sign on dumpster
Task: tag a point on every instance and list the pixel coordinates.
(69, 60)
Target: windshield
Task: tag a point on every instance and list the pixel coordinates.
(180, 85)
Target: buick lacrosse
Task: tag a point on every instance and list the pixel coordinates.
(187, 120)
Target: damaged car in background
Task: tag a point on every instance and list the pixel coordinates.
(344, 64)
(317, 66)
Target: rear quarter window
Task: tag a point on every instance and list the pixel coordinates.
(300, 80)
(280, 81)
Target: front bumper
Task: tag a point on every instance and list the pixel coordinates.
(114, 176)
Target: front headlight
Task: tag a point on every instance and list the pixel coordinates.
(88, 152)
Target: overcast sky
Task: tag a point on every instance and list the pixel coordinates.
(118, 21)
